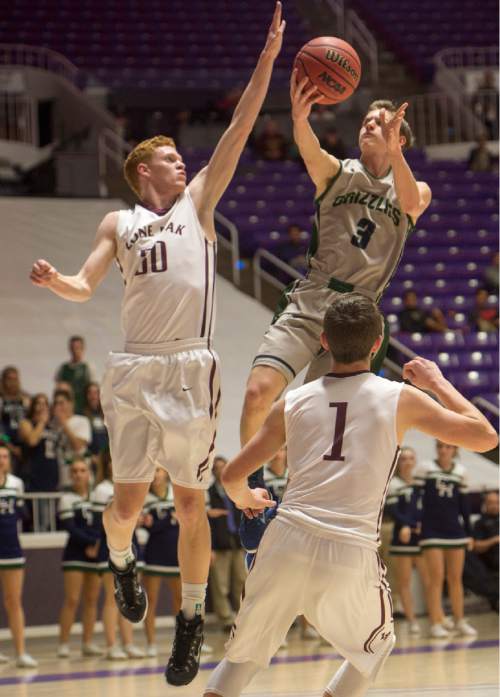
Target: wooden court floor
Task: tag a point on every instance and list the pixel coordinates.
(452, 668)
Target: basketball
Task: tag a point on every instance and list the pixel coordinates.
(332, 65)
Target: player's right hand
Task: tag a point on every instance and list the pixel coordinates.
(42, 273)
(303, 94)
(422, 373)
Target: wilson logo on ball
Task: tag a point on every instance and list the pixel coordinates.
(335, 57)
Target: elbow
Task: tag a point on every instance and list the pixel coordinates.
(488, 441)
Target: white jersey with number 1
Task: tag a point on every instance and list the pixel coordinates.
(342, 449)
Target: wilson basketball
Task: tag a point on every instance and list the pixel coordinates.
(332, 65)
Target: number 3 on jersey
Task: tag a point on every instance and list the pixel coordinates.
(364, 230)
(335, 454)
(154, 259)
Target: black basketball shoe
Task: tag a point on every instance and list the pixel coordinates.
(184, 662)
(130, 596)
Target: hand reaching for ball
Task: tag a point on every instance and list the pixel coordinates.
(303, 95)
(275, 34)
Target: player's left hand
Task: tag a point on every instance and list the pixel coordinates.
(254, 501)
(391, 128)
(275, 34)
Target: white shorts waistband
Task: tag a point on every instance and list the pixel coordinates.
(167, 347)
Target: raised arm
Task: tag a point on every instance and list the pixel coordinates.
(414, 196)
(320, 165)
(259, 449)
(210, 184)
(455, 420)
(81, 286)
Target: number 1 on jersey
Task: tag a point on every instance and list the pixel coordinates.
(338, 436)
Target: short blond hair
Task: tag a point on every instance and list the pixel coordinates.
(142, 153)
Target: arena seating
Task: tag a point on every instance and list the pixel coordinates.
(444, 259)
(211, 44)
(417, 31)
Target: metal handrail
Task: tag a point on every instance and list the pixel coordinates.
(51, 497)
(259, 273)
(467, 57)
(360, 36)
(233, 244)
(39, 57)
(486, 404)
(350, 25)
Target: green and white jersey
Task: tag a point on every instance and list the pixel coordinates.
(359, 230)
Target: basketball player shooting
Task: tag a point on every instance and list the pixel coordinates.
(161, 395)
(318, 557)
(365, 209)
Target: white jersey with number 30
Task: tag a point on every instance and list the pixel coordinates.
(168, 267)
(342, 449)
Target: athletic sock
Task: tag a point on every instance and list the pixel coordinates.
(121, 558)
(193, 599)
(348, 682)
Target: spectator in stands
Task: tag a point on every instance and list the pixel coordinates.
(39, 437)
(12, 560)
(160, 553)
(485, 103)
(224, 107)
(74, 433)
(414, 319)
(93, 411)
(444, 537)
(490, 275)
(276, 475)
(76, 371)
(112, 620)
(333, 144)
(484, 316)
(81, 579)
(480, 158)
(14, 403)
(404, 506)
(271, 144)
(227, 571)
(293, 249)
(481, 565)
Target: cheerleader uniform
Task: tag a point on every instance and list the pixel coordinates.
(11, 510)
(99, 499)
(75, 517)
(160, 554)
(445, 511)
(404, 505)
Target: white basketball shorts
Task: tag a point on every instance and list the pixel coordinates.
(160, 407)
(340, 588)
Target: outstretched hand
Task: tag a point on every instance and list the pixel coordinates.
(391, 128)
(42, 273)
(303, 95)
(275, 34)
(422, 373)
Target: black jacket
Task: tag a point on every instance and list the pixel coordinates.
(221, 537)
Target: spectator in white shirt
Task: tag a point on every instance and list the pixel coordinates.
(75, 433)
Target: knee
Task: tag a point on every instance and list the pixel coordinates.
(124, 512)
(72, 601)
(12, 602)
(190, 512)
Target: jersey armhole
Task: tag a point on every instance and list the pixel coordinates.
(329, 185)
